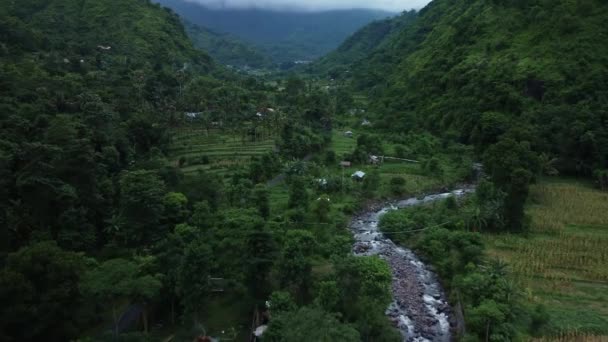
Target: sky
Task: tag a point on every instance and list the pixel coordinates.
(317, 5)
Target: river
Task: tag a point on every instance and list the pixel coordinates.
(420, 308)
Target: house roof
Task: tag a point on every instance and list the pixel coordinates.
(359, 174)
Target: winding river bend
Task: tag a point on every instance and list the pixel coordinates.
(420, 308)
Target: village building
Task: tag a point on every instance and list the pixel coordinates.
(348, 134)
(359, 175)
(366, 122)
(374, 159)
(345, 163)
(192, 115)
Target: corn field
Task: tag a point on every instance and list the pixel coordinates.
(556, 205)
(573, 337)
(563, 261)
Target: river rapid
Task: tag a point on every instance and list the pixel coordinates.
(420, 309)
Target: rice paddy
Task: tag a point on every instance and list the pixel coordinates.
(342, 144)
(215, 151)
(563, 262)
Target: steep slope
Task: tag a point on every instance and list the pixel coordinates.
(87, 90)
(285, 36)
(226, 49)
(481, 71)
(363, 43)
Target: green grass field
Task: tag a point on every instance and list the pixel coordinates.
(223, 151)
(342, 144)
(563, 263)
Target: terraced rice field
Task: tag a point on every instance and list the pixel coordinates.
(563, 263)
(216, 152)
(341, 144)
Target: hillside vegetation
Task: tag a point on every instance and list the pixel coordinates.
(87, 90)
(482, 71)
(524, 83)
(227, 49)
(147, 193)
(362, 44)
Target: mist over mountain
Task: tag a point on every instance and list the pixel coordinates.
(285, 36)
(314, 5)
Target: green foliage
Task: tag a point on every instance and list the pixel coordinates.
(493, 307)
(281, 302)
(227, 49)
(397, 185)
(364, 285)
(39, 287)
(308, 324)
(298, 194)
(176, 210)
(142, 203)
(362, 44)
(482, 71)
(81, 101)
(262, 200)
(193, 275)
(322, 208)
(294, 265)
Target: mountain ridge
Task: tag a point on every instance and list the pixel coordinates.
(285, 36)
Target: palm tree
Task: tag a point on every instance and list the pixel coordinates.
(475, 218)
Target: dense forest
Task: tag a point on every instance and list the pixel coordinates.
(483, 71)
(150, 193)
(522, 82)
(227, 49)
(362, 44)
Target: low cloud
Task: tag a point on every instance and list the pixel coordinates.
(316, 5)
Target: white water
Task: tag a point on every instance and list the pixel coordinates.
(420, 309)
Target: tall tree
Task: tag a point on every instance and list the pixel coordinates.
(117, 279)
(39, 288)
(141, 207)
(309, 324)
(194, 273)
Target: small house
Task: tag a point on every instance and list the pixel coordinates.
(345, 163)
(348, 134)
(374, 159)
(192, 115)
(365, 122)
(359, 175)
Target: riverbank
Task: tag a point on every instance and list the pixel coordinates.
(420, 309)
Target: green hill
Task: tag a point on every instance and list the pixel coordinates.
(227, 49)
(88, 89)
(481, 71)
(284, 35)
(362, 44)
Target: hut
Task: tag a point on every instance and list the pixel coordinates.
(359, 175)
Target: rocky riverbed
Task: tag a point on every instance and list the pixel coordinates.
(420, 309)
